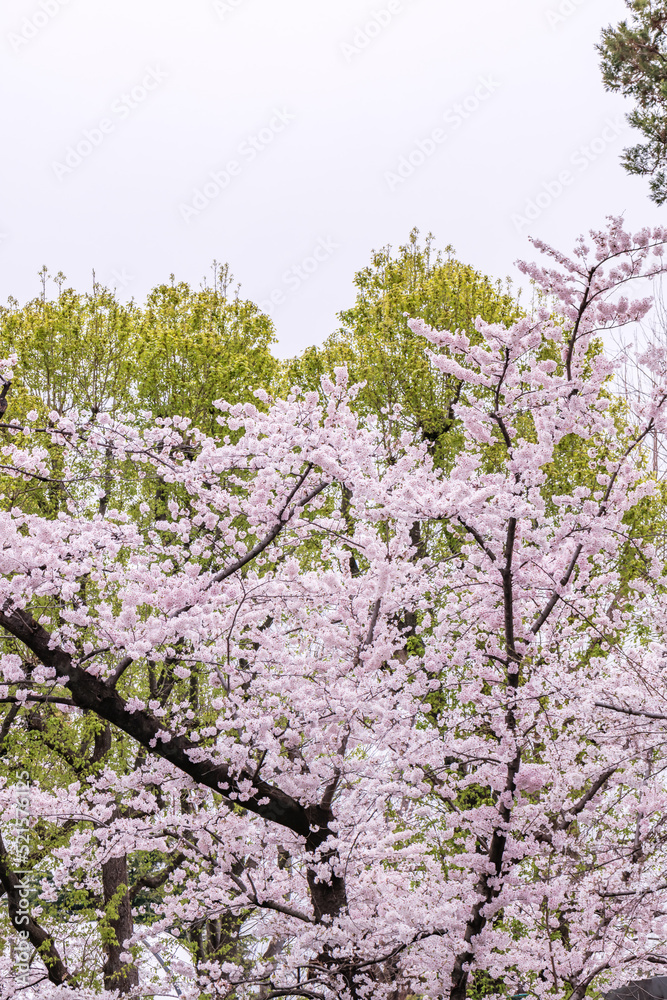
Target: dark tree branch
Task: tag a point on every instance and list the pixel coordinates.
(630, 711)
(22, 921)
(94, 695)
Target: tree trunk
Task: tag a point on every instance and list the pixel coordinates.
(329, 899)
(118, 975)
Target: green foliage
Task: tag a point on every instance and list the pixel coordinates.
(634, 63)
(105, 926)
(195, 347)
(75, 352)
(484, 985)
(89, 353)
(174, 355)
(380, 349)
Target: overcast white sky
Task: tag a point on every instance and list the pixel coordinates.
(117, 114)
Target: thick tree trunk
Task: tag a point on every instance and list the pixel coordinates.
(329, 899)
(118, 975)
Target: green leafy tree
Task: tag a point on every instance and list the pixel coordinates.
(75, 351)
(193, 347)
(75, 355)
(379, 348)
(634, 63)
(173, 355)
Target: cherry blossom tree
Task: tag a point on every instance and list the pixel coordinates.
(362, 770)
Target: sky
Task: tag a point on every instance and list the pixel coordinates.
(290, 138)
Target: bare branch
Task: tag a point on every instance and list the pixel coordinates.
(630, 711)
(592, 791)
(478, 538)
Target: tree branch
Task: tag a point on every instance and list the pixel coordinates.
(93, 694)
(22, 921)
